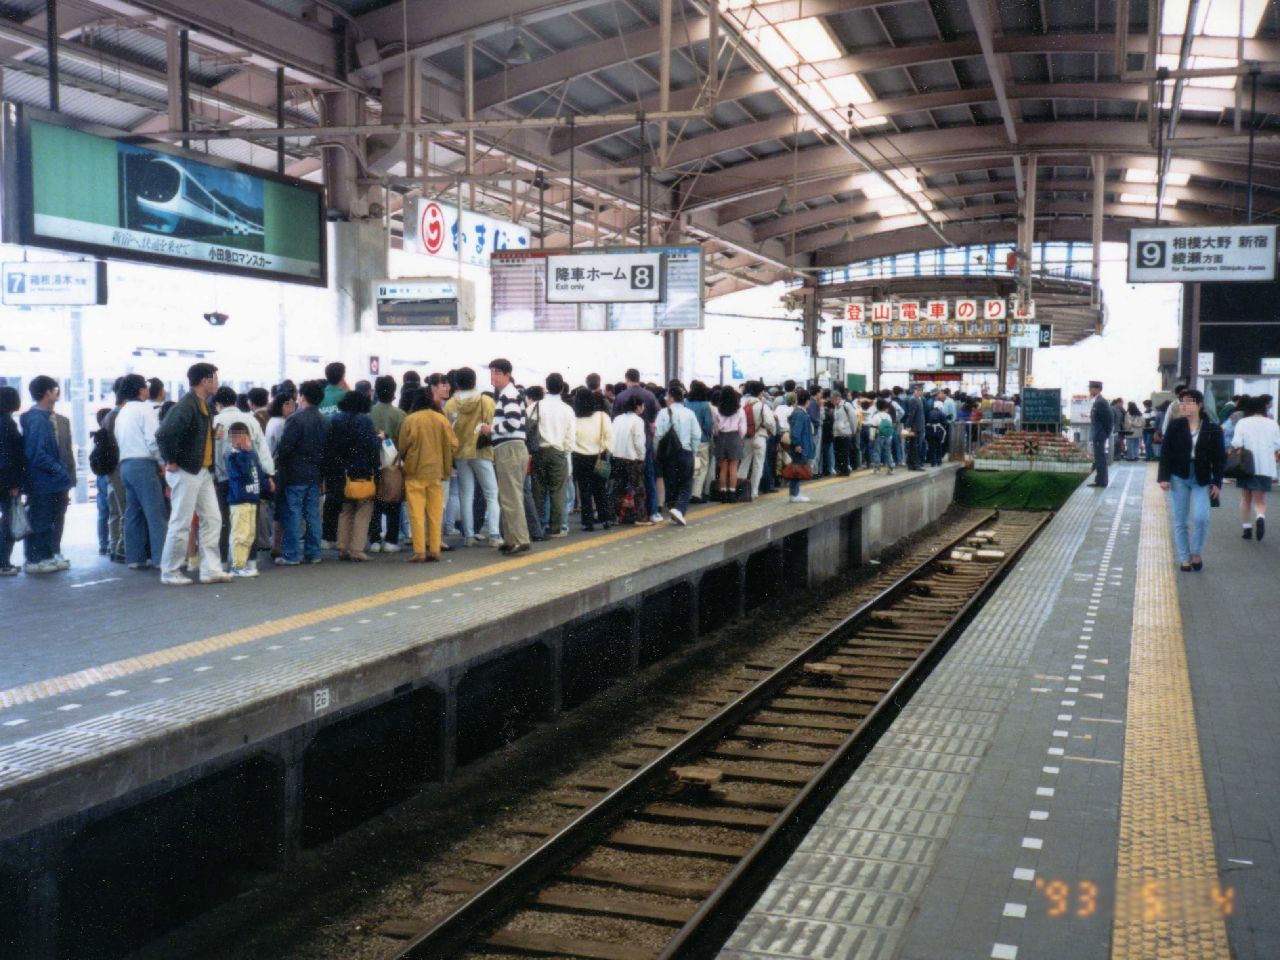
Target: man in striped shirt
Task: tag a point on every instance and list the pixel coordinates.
(510, 455)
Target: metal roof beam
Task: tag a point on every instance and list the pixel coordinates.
(1137, 214)
(766, 202)
(255, 27)
(586, 58)
(980, 13)
(910, 239)
(744, 180)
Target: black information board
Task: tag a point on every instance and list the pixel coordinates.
(418, 314)
(1041, 406)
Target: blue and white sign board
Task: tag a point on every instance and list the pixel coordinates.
(1209, 254)
(415, 289)
(69, 283)
(434, 228)
(605, 277)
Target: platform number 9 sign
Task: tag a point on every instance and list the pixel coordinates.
(642, 277)
(1151, 254)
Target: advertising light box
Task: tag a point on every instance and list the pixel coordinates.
(76, 187)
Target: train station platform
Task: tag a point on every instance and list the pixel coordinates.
(1092, 771)
(228, 726)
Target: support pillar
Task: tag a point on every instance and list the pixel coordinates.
(1095, 235)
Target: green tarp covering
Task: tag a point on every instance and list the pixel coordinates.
(1016, 489)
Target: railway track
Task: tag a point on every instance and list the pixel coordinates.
(664, 862)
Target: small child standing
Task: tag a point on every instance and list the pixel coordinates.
(244, 492)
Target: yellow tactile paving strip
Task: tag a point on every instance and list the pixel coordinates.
(81, 679)
(1168, 900)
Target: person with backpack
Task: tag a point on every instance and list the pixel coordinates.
(844, 422)
(880, 425)
(761, 424)
(104, 448)
(145, 519)
(681, 423)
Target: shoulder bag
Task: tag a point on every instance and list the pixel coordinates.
(1240, 464)
(603, 465)
(359, 488)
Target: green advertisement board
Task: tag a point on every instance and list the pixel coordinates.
(87, 190)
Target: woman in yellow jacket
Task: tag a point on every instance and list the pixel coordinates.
(427, 446)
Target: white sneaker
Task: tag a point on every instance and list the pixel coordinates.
(328, 545)
(61, 562)
(471, 542)
(174, 580)
(558, 534)
(495, 542)
(800, 498)
(217, 576)
(44, 566)
(375, 547)
(391, 548)
(655, 517)
(676, 517)
(252, 565)
(244, 573)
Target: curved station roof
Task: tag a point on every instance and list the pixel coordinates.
(787, 135)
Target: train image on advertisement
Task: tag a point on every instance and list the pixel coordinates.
(166, 196)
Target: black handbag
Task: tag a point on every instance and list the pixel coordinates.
(1239, 464)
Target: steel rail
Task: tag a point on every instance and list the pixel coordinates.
(508, 890)
(718, 915)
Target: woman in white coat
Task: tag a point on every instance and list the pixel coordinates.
(1257, 433)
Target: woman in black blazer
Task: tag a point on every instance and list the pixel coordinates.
(1191, 461)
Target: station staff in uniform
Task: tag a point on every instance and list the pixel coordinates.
(1099, 432)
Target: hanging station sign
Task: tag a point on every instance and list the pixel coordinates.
(71, 283)
(606, 277)
(436, 229)
(1188, 254)
(936, 319)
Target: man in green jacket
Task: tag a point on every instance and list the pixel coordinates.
(335, 375)
(185, 440)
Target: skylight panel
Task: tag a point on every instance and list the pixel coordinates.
(811, 37)
(1172, 178)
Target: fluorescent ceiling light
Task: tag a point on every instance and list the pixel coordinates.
(1148, 199)
(870, 121)
(1173, 179)
(812, 38)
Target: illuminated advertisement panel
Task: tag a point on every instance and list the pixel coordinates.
(85, 189)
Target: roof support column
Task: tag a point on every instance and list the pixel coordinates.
(664, 75)
(1099, 195)
(51, 50)
(469, 95)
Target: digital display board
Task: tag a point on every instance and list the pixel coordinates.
(76, 187)
(520, 293)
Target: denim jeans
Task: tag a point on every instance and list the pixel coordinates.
(472, 473)
(1190, 516)
(304, 507)
(144, 518)
(881, 451)
(452, 504)
(650, 478)
(42, 509)
(1149, 444)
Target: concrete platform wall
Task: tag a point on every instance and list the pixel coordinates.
(445, 703)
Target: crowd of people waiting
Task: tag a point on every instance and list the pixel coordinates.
(199, 486)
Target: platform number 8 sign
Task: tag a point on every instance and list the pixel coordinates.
(1151, 254)
(642, 277)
